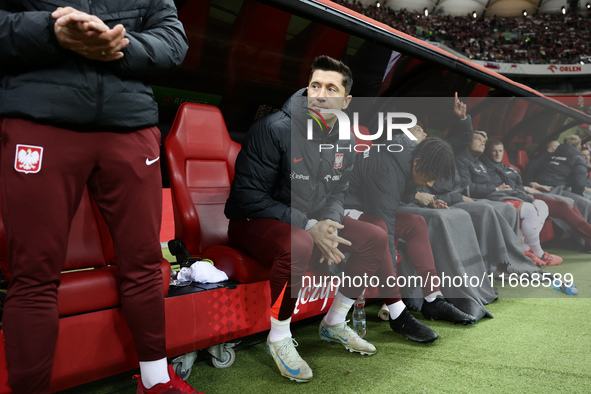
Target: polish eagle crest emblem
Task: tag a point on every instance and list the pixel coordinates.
(28, 158)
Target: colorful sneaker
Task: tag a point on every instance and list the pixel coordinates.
(345, 335)
(176, 385)
(551, 259)
(289, 362)
(537, 261)
(566, 288)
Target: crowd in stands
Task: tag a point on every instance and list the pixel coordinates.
(536, 39)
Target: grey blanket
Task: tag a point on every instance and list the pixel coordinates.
(457, 255)
(583, 204)
(496, 225)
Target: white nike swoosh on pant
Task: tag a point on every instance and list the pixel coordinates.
(150, 162)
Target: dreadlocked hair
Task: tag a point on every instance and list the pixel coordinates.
(436, 158)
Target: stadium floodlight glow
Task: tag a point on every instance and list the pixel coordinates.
(524, 13)
(378, 4)
(474, 14)
(563, 10)
(588, 5)
(426, 10)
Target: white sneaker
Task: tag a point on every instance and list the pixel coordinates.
(289, 362)
(345, 335)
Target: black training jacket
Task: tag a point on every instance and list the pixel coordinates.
(534, 167)
(477, 180)
(282, 175)
(42, 81)
(473, 175)
(460, 139)
(380, 180)
(567, 166)
(500, 173)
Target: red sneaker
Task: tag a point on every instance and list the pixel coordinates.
(176, 385)
(537, 261)
(551, 259)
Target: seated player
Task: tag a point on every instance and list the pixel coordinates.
(475, 178)
(502, 174)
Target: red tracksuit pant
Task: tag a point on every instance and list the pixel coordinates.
(571, 216)
(290, 251)
(37, 209)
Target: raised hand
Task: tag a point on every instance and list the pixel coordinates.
(459, 108)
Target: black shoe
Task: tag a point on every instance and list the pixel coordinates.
(442, 309)
(411, 328)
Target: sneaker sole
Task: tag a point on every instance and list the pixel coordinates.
(464, 323)
(290, 377)
(333, 341)
(426, 341)
(297, 380)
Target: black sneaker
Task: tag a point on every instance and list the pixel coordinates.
(442, 309)
(411, 328)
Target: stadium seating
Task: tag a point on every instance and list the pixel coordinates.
(201, 158)
(521, 160)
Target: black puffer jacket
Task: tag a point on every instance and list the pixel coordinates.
(282, 175)
(473, 175)
(41, 80)
(567, 166)
(460, 139)
(533, 169)
(501, 173)
(381, 180)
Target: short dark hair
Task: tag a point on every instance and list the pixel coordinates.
(436, 157)
(327, 63)
(491, 143)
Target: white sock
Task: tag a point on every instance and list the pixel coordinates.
(431, 297)
(530, 227)
(396, 309)
(279, 330)
(154, 372)
(338, 310)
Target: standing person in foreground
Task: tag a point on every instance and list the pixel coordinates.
(286, 211)
(75, 95)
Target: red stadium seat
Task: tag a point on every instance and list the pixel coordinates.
(508, 163)
(201, 159)
(522, 159)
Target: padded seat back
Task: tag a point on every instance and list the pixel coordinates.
(201, 159)
(522, 159)
(508, 163)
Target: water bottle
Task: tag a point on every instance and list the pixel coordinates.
(359, 317)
